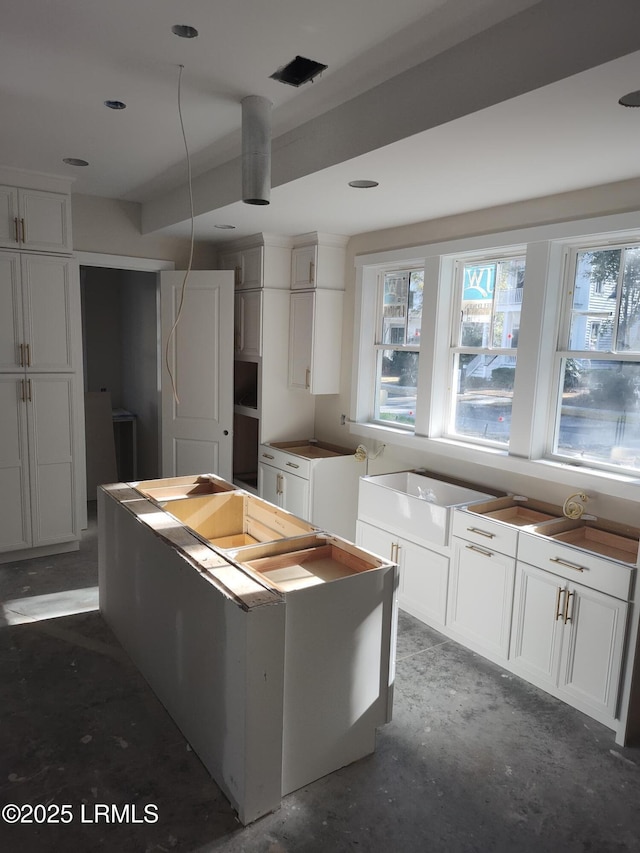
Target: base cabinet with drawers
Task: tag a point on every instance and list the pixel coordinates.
(313, 480)
(480, 597)
(550, 599)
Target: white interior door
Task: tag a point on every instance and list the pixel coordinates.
(197, 426)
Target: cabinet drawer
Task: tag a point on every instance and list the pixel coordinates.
(576, 564)
(485, 532)
(285, 461)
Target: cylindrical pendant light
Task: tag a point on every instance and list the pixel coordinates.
(256, 150)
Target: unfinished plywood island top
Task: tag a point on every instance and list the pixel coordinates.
(270, 643)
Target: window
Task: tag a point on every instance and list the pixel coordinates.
(397, 345)
(598, 410)
(486, 322)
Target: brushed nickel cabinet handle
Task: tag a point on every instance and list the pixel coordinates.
(558, 609)
(15, 222)
(292, 465)
(307, 378)
(568, 618)
(23, 396)
(312, 272)
(481, 532)
(267, 456)
(479, 550)
(21, 355)
(24, 231)
(29, 397)
(28, 352)
(573, 566)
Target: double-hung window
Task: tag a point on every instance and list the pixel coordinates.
(397, 345)
(484, 340)
(598, 360)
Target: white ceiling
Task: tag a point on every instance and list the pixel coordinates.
(488, 135)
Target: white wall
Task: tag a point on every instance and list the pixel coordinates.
(112, 227)
(612, 198)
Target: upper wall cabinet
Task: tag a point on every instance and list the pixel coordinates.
(38, 308)
(317, 261)
(259, 261)
(35, 220)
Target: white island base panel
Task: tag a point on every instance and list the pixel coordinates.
(273, 688)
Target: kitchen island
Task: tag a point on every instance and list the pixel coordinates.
(270, 643)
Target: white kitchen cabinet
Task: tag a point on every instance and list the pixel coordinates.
(284, 489)
(248, 323)
(423, 573)
(37, 479)
(569, 639)
(42, 454)
(261, 260)
(317, 261)
(280, 667)
(394, 514)
(35, 220)
(246, 266)
(315, 481)
(38, 307)
(315, 341)
(479, 606)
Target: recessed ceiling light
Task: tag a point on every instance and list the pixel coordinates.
(224, 227)
(631, 99)
(115, 105)
(184, 31)
(363, 185)
(75, 161)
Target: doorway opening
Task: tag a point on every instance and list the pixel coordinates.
(120, 300)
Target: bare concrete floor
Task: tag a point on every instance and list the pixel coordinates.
(474, 760)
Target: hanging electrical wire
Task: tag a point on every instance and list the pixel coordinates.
(183, 289)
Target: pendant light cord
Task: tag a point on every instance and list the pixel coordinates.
(183, 289)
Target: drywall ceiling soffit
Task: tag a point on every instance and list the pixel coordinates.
(548, 42)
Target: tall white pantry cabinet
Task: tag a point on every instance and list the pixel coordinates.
(40, 370)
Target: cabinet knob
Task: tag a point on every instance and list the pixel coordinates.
(226, 432)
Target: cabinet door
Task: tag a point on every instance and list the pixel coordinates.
(12, 351)
(48, 305)
(295, 495)
(15, 520)
(303, 267)
(377, 541)
(248, 322)
(232, 261)
(423, 590)
(45, 221)
(251, 276)
(300, 339)
(51, 469)
(480, 598)
(269, 483)
(592, 650)
(536, 640)
(9, 224)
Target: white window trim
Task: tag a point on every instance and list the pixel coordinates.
(547, 248)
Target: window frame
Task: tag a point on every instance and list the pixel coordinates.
(547, 251)
(599, 242)
(456, 347)
(380, 347)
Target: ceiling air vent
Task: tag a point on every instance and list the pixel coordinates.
(298, 71)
